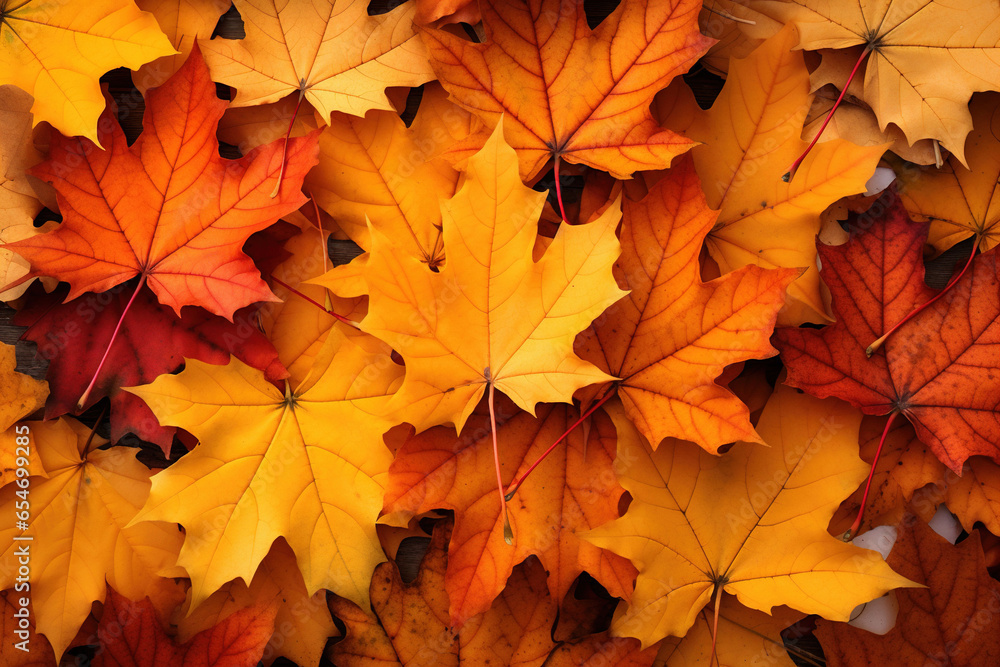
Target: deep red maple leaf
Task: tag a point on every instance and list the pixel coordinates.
(153, 340)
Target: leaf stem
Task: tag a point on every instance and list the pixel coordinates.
(559, 197)
(322, 240)
(727, 15)
(508, 532)
(790, 174)
(870, 350)
(314, 302)
(715, 624)
(284, 148)
(516, 484)
(93, 431)
(856, 526)
(93, 380)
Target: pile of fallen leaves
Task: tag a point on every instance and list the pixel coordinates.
(557, 395)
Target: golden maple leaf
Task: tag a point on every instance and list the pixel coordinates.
(57, 51)
(492, 315)
(750, 137)
(307, 465)
(78, 513)
(751, 523)
(926, 57)
(336, 56)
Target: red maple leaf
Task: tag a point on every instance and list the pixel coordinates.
(939, 369)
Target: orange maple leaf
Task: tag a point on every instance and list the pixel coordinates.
(81, 507)
(20, 394)
(909, 477)
(40, 651)
(183, 22)
(167, 208)
(302, 622)
(673, 335)
(377, 170)
(952, 621)
(269, 465)
(576, 490)
(570, 92)
(744, 637)
(18, 201)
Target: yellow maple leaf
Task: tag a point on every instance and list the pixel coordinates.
(307, 465)
(750, 138)
(77, 536)
(57, 51)
(751, 523)
(926, 58)
(330, 51)
(492, 315)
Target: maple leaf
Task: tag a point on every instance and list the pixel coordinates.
(56, 51)
(336, 56)
(438, 470)
(18, 202)
(748, 145)
(951, 621)
(168, 208)
(959, 202)
(409, 627)
(530, 69)
(673, 335)
(492, 315)
(183, 22)
(938, 369)
(745, 636)
(302, 622)
(269, 465)
(152, 340)
(925, 59)
(751, 523)
(40, 653)
(81, 510)
(20, 394)
(375, 169)
(130, 634)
